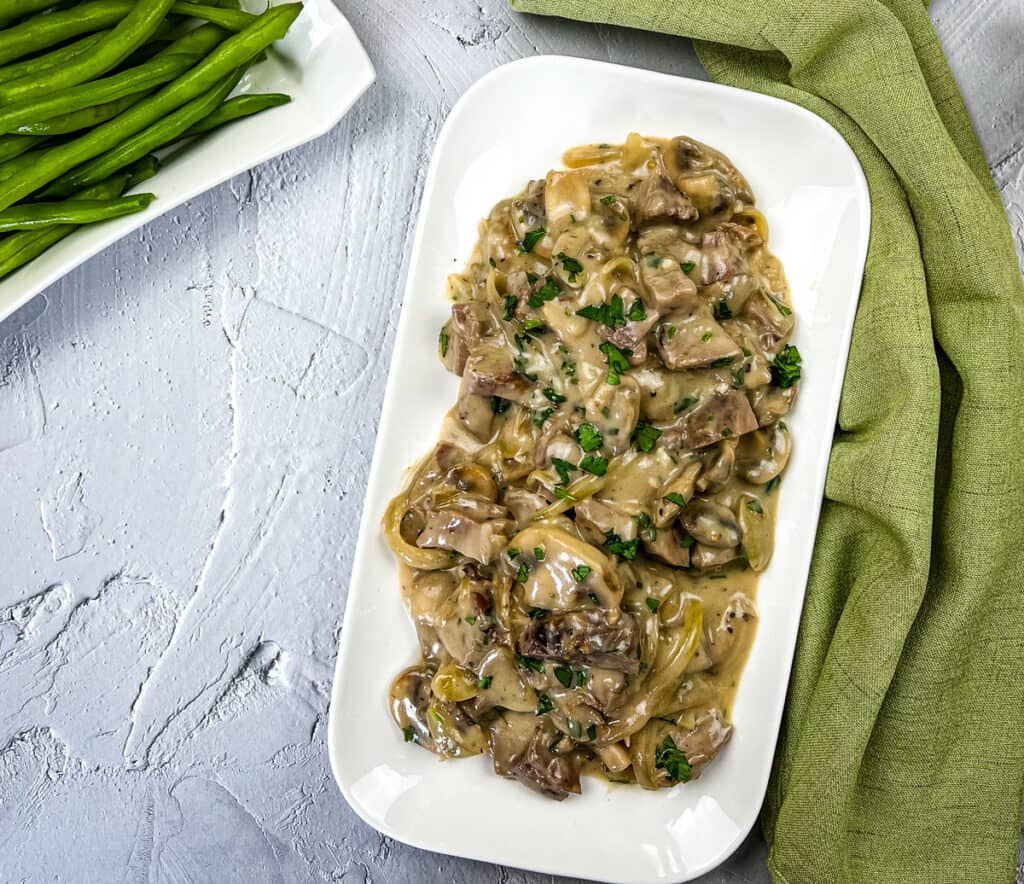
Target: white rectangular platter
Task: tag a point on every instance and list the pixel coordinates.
(511, 126)
(320, 64)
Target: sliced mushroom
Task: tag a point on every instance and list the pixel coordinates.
(771, 403)
(677, 493)
(509, 735)
(433, 723)
(711, 524)
(614, 410)
(763, 454)
(668, 545)
(476, 415)
(500, 685)
(595, 519)
(453, 530)
(718, 472)
(724, 639)
(701, 743)
(710, 193)
(527, 211)
(523, 505)
(704, 558)
(541, 768)
(566, 196)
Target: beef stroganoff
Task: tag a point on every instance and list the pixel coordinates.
(580, 551)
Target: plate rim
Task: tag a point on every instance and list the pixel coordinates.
(368, 534)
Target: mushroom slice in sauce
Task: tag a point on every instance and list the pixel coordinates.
(580, 552)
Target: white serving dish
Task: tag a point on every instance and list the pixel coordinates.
(500, 134)
(320, 64)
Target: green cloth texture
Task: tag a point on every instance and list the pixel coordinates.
(901, 757)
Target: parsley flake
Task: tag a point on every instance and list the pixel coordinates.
(676, 498)
(624, 549)
(617, 362)
(580, 572)
(588, 437)
(531, 238)
(645, 436)
(573, 267)
(785, 367)
(594, 464)
(669, 758)
(653, 605)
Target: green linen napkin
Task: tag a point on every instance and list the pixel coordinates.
(902, 750)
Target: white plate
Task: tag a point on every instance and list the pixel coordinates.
(512, 125)
(320, 63)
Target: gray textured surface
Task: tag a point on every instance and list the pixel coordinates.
(185, 428)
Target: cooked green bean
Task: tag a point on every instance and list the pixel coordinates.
(173, 61)
(161, 133)
(15, 145)
(58, 27)
(18, 249)
(131, 32)
(38, 216)
(12, 10)
(141, 170)
(54, 58)
(76, 121)
(232, 19)
(238, 107)
(234, 52)
(26, 160)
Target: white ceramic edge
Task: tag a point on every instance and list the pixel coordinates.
(367, 529)
(115, 230)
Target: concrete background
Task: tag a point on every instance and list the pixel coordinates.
(185, 428)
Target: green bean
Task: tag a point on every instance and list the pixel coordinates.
(238, 107)
(18, 249)
(134, 29)
(232, 19)
(76, 121)
(9, 168)
(234, 52)
(36, 35)
(15, 145)
(161, 133)
(39, 216)
(15, 9)
(142, 170)
(56, 57)
(170, 63)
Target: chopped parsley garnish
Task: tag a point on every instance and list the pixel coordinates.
(538, 553)
(534, 613)
(646, 527)
(754, 505)
(443, 340)
(532, 324)
(523, 574)
(687, 266)
(492, 262)
(531, 238)
(591, 731)
(593, 597)
(499, 405)
(539, 417)
(721, 363)
(580, 572)
(782, 308)
(636, 312)
(676, 498)
(552, 396)
(727, 433)
(564, 675)
(624, 549)
(739, 377)
(573, 267)
(589, 437)
(687, 542)
(547, 292)
(608, 200)
(669, 758)
(485, 682)
(471, 620)
(531, 278)
(617, 362)
(653, 605)
(513, 552)
(520, 366)
(611, 315)
(563, 468)
(594, 464)
(581, 679)
(544, 704)
(670, 331)
(645, 436)
(409, 733)
(510, 307)
(654, 260)
(683, 404)
(772, 485)
(534, 663)
(705, 337)
(785, 367)
(722, 311)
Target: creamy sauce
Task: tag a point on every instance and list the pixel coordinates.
(580, 551)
